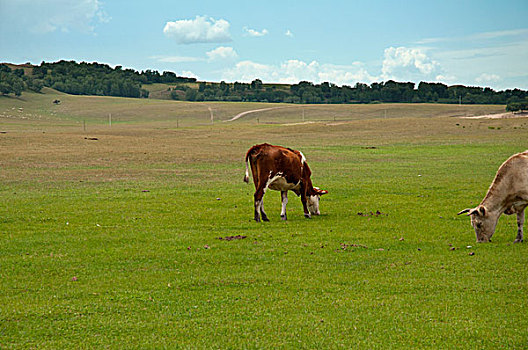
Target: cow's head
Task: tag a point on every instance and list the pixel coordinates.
(313, 201)
(483, 223)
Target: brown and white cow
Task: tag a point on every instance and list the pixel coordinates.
(507, 194)
(281, 169)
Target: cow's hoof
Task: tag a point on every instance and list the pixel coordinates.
(257, 219)
(308, 216)
(518, 241)
(265, 219)
(284, 218)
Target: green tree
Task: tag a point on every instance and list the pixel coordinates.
(19, 72)
(115, 89)
(5, 88)
(190, 95)
(5, 68)
(256, 84)
(18, 87)
(144, 93)
(517, 106)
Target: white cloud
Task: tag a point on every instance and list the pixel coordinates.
(446, 79)
(468, 59)
(404, 63)
(296, 70)
(256, 33)
(198, 30)
(247, 71)
(176, 59)
(293, 71)
(42, 17)
(427, 41)
(503, 54)
(500, 34)
(222, 53)
(188, 74)
(343, 75)
(486, 78)
(289, 33)
(479, 36)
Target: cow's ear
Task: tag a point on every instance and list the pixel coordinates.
(481, 210)
(319, 192)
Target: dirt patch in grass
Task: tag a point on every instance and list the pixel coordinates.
(499, 116)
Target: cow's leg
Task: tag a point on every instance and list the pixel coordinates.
(284, 198)
(262, 213)
(520, 222)
(259, 197)
(303, 201)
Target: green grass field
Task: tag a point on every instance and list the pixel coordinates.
(109, 235)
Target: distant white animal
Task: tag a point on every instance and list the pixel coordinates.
(507, 194)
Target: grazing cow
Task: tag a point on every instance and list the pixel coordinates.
(507, 194)
(281, 169)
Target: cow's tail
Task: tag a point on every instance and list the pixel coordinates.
(246, 177)
(252, 152)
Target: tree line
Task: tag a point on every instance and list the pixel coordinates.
(14, 81)
(84, 79)
(309, 93)
(100, 79)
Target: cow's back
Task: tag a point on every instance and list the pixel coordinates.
(516, 167)
(511, 179)
(520, 170)
(269, 159)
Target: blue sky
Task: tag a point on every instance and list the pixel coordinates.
(474, 42)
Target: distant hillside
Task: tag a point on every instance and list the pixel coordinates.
(102, 80)
(82, 79)
(27, 67)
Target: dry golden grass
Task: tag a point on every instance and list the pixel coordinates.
(39, 108)
(43, 140)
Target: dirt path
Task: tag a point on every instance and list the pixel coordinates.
(240, 115)
(499, 116)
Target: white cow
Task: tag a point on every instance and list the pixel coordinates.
(507, 194)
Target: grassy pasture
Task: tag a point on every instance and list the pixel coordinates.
(113, 242)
